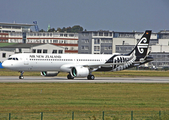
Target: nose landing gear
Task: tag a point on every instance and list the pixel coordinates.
(21, 76)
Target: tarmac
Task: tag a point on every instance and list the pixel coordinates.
(28, 79)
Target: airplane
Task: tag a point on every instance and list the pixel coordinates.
(80, 65)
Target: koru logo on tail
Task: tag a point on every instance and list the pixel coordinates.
(142, 45)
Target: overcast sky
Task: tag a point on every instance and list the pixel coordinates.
(113, 15)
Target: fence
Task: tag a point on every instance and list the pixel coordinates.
(105, 115)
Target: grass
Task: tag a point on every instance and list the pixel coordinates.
(28, 99)
(124, 73)
(54, 97)
(6, 44)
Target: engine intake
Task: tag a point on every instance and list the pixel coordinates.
(79, 72)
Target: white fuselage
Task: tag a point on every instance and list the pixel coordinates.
(52, 62)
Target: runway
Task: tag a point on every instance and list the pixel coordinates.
(15, 79)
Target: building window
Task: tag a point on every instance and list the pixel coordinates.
(65, 41)
(4, 55)
(85, 34)
(45, 51)
(39, 51)
(71, 35)
(55, 41)
(82, 47)
(66, 48)
(96, 48)
(20, 50)
(85, 47)
(94, 33)
(54, 51)
(100, 33)
(85, 40)
(105, 34)
(96, 41)
(60, 41)
(60, 51)
(34, 51)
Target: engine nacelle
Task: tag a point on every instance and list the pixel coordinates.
(79, 72)
(49, 73)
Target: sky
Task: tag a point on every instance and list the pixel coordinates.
(92, 15)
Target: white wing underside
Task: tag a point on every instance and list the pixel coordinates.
(68, 66)
(103, 65)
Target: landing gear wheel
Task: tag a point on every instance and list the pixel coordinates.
(21, 77)
(90, 77)
(69, 77)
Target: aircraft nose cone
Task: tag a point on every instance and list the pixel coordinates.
(5, 65)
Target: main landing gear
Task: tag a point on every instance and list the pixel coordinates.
(69, 76)
(90, 77)
(21, 76)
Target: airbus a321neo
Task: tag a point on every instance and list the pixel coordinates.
(80, 65)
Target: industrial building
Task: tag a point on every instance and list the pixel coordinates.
(93, 42)
(21, 33)
(106, 42)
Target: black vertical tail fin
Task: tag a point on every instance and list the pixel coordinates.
(141, 49)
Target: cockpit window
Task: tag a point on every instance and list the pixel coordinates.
(13, 59)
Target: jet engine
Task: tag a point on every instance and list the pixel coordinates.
(49, 73)
(79, 71)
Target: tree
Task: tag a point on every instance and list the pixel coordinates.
(42, 30)
(51, 30)
(63, 29)
(76, 29)
(68, 29)
(59, 29)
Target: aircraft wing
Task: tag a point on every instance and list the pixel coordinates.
(67, 67)
(103, 65)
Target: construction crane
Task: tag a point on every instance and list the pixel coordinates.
(36, 26)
